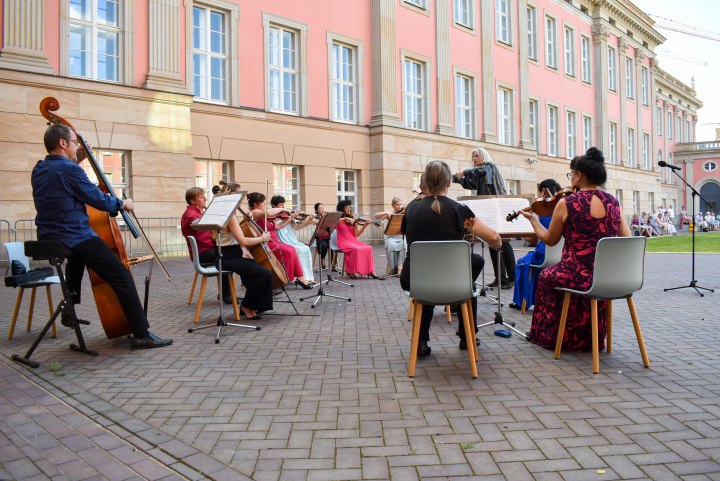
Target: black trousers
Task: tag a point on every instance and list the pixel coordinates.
(96, 255)
(427, 312)
(322, 247)
(507, 268)
(257, 279)
(208, 257)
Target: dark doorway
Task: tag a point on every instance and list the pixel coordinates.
(711, 191)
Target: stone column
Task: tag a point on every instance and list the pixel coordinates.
(666, 110)
(688, 193)
(444, 68)
(622, 92)
(524, 87)
(384, 65)
(600, 35)
(487, 35)
(164, 45)
(24, 37)
(639, 56)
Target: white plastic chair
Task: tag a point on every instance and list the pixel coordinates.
(619, 272)
(207, 271)
(440, 274)
(336, 250)
(553, 254)
(16, 252)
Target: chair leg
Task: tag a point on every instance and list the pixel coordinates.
(15, 313)
(524, 305)
(343, 269)
(203, 284)
(595, 341)
(561, 328)
(314, 257)
(32, 307)
(417, 317)
(638, 333)
(50, 305)
(447, 311)
(192, 289)
(608, 344)
(469, 331)
(231, 278)
(411, 310)
(332, 263)
(473, 341)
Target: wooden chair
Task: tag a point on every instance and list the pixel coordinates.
(618, 273)
(553, 254)
(412, 307)
(208, 271)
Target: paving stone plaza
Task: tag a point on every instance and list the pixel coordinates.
(327, 397)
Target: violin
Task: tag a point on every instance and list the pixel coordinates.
(286, 215)
(543, 206)
(364, 220)
(110, 311)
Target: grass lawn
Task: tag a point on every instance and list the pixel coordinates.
(704, 242)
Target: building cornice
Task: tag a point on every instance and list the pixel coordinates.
(630, 15)
(668, 83)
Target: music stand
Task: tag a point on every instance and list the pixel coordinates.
(215, 218)
(394, 227)
(328, 223)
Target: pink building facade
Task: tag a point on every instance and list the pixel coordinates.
(330, 100)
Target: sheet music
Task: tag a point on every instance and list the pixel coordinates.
(508, 205)
(487, 211)
(220, 209)
(493, 211)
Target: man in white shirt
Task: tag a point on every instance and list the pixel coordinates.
(671, 214)
(699, 221)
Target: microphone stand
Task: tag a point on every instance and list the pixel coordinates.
(693, 282)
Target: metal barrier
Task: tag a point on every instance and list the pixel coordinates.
(24, 230)
(5, 236)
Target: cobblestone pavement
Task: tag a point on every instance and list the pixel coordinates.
(328, 397)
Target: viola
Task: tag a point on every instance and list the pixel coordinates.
(111, 314)
(543, 206)
(262, 253)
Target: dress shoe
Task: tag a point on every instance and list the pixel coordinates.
(149, 342)
(423, 348)
(507, 285)
(376, 277)
(463, 344)
(253, 318)
(512, 305)
(493, 284)
(304, 286)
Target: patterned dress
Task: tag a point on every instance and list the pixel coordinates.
(575, 270)
(285, 253)
(287, 236)
(358, 256)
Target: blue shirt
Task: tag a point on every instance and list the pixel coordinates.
(61, 189)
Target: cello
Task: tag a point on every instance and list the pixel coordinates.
(110, 311)
(262, 253)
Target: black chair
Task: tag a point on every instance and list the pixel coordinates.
(55, 253)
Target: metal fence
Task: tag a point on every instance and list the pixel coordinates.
(5, 236)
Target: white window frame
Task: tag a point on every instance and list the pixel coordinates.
(425, 64)
(342, 193)
(631, 147)
(619, 197)
(208, 54)
(645, 81)
(570, 133)
(587, 132)
(687, 131)
(678, 129)
(358, 46)
(464, 5)
(209, 176)
(613, 141)
(636, 202)
(125, 43)
(534, 122)
(612, 69)
(660, 121)
(553, 129)
(504, 96)
(569, 50)
(551, 50)
(512, 187)
(646, 151)
(504, 22)
(419, 6)
(473, 107)
(283, 190)
(532, 31)
(417, 3)
(659, 158)
(629, 78)
(301, 45)
(586, 58)
(651, 202)
(119, 188)
(669, 124)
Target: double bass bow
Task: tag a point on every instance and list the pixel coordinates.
(111, 314)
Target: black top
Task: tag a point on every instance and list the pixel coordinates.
(421, 223)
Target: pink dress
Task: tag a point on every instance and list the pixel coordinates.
(285, 253)
(358, 256)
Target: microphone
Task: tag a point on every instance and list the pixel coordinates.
(662, 163)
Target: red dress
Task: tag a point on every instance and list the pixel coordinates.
(285, 253)
(358, 256)
(575, 271)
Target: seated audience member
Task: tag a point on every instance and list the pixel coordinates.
(700, 221)
(684, 217)
(711, 222)
(671, 214)
(638, 227)
(669, 226)
(653, 223)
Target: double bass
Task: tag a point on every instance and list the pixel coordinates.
(111, 314)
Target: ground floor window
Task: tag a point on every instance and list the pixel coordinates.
(286, 182)
(209, 173)
(114, 164)
(347, 186)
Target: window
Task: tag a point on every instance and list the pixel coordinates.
(619, 197)
(504, 114)
(463, 13)
(651, 202)
(551, 42)
(532, 32)
(552, 130)
(414, 95)
(94, 39)
(512, 187)
(587, 133)
(629, 79)
(709, 166)
(347, 186)
(343, 83)
(114, 164)
(645, 86)
(569, 51)
(669, 125)
(678, 129)
(209, 54)
(659, 121)
(631, 147)
(286, 182)
(417, 3)
(687, 131)
(669, 175)
(416, 181)
(283, 70)
(534, 125)
(613, 142)
(585, 58)
(612, 75)
(463, 106)
(659, 158)
(636, 202)
(209, 173)
(646, 151)
(502, 21)
(570, 135)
